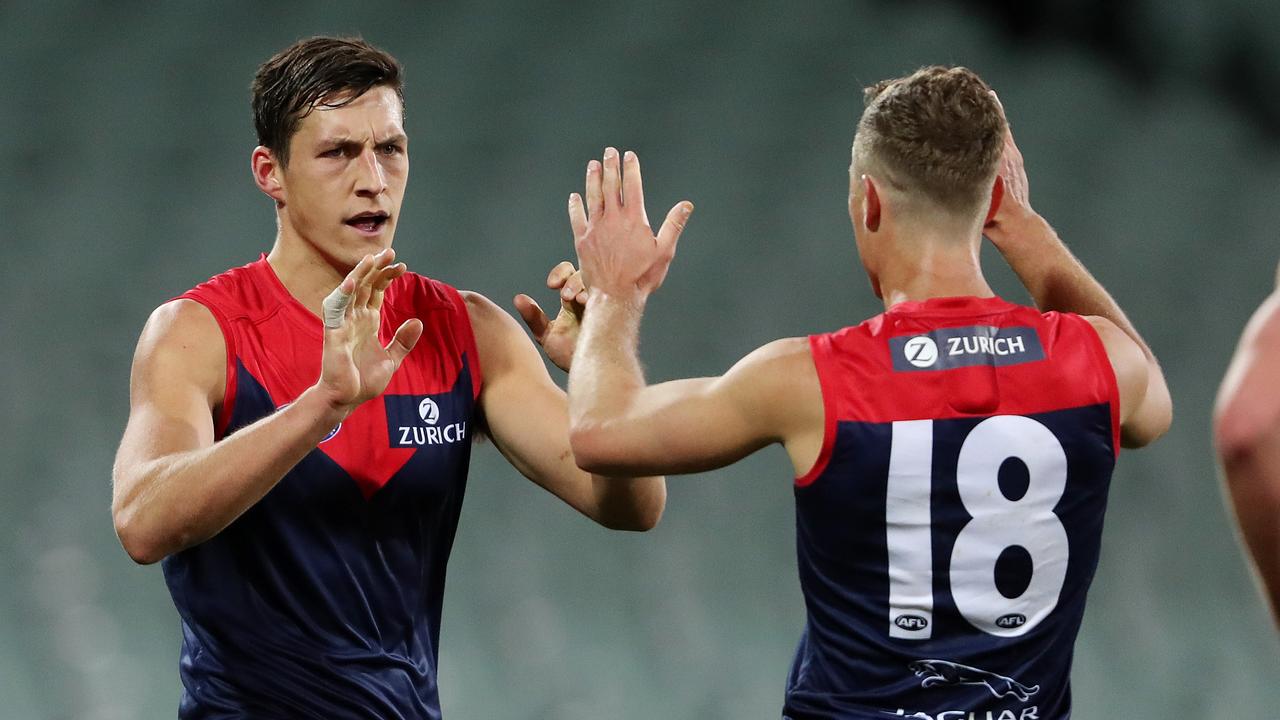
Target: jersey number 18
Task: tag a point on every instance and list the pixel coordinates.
(997, 524)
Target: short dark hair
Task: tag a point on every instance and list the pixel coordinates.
(938, 132)
(312, 72)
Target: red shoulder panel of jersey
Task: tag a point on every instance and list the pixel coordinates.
(280, 342)
(959, 357)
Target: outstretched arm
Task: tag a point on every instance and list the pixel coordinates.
(174, 486)
(1247, 436)
(1058, 281)
(618, 423)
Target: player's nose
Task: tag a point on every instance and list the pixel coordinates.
(371, 180)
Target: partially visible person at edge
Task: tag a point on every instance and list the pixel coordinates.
(1247, 436)
(952, 455)
(300, 427)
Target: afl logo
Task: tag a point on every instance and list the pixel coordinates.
(921, 351)
(428, 411)
(1012, 620)
(911, 622)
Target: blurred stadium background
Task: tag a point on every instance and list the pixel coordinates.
(1152, 137)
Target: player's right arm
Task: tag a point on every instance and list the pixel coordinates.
(174, 486)
(1246, 429)
(1058, 281)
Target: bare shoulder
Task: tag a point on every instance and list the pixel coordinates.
(499, 339)
(780, 376)
(1120, 347)
(181, 341)
(1127, 361)
(788, 355)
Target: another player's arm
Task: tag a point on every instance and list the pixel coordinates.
(1247, 436)
(528, 418)
(618, 424)
(621, 425)
(1059, 281)
(173, 485)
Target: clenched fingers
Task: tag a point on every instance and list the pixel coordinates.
(574, 290)
(560, 274)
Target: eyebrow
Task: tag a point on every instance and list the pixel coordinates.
(337, 140)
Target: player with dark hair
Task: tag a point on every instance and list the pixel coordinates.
(1247, 435)
(952, 454)
(300, 427)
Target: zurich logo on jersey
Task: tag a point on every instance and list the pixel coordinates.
(415, 421)
(429, 411)
(956, 347)
(921, 351)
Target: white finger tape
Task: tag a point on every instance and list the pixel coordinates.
(335, 307)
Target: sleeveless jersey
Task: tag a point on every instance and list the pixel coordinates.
(950, 528)
(323, 599)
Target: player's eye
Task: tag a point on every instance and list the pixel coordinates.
(390, 149)
(332, 152)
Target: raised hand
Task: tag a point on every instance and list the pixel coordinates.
(617, 250)
(356, 366)
(557, 337)
(1014, 207)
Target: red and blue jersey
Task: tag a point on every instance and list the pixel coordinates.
(324, 598)
(950, 528)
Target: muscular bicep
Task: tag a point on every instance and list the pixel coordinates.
(176, 380)
(693, 425)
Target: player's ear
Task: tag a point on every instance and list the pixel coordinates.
(997, 194)
(870, 204)
(266, 173)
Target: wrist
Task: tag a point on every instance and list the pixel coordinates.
(628, 301)
(322, 407)
(1025, 229)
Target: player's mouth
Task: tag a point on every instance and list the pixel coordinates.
(369, 223)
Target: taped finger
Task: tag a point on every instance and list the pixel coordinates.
(335, 307)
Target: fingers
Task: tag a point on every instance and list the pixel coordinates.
(595, 194)
(673, 226)
(533, 316)
(577, 216)
(381, 280)
(334, 307)
(632, 187)
(611, 180)
(574, 290)
(405, 338)
(560, 274)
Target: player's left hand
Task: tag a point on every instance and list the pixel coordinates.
(557, 337)
(617, 249)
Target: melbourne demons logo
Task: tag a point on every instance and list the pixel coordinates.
(942, 672)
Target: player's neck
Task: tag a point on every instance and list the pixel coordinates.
(931, 270)
(306, 273)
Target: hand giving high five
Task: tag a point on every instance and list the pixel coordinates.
(617, 250)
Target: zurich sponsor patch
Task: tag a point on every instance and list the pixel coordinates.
(419, 420)
(948, 348)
